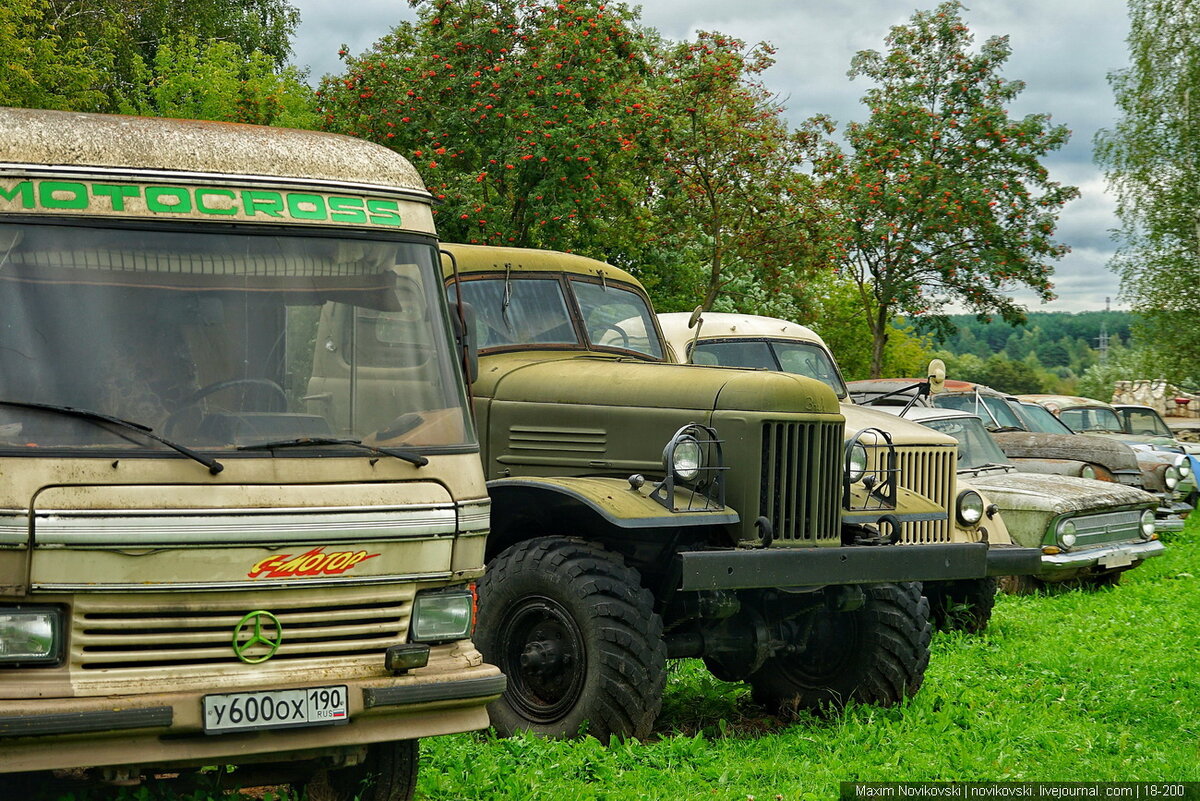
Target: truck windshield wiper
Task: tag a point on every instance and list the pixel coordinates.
(300, 442)
(213, 465)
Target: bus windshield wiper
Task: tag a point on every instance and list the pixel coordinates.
(300, 442)
(213, 465)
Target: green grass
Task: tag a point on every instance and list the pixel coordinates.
(1070, 686)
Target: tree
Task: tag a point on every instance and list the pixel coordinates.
(42, 67)
(515, 112)
(214, 80)
(724, 177)
(942, 196)
(1151, 159)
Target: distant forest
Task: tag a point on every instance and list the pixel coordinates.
(1052, 352)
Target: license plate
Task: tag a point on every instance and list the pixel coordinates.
(1118, 559)
(275, 709)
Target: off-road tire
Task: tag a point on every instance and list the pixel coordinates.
(389, 773)
(876, 654)
(575, 632)
(947, 600)
(1021, 585)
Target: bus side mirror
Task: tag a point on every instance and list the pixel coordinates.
(464, 339)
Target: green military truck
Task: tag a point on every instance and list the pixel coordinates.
(643, 510)
(202, 561)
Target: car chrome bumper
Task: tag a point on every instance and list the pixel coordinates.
(1105, 556)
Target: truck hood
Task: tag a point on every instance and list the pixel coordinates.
(904, 432)
(1110, 453)
(600, 381)
(1057, 495)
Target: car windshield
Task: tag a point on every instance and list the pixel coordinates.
(789, 356)
(222, 340)
(536, 310)
(1144, 421)
(1092, 418)
(992, 410)
(1039, 419)
(976, 448)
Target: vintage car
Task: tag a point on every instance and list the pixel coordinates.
(1038, 445)
(744, 340)
(1157, 449)
(1088, 531)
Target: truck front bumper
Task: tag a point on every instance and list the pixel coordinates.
(1115, 556)
(857, 564)
(165, 729)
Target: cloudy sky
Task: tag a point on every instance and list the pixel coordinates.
(1062, 49)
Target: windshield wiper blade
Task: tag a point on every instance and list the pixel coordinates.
(213, 465)
(300, 442)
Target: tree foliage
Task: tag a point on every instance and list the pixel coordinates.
(44, 67)
(943, 196)
(1151, 158)
(513, 111)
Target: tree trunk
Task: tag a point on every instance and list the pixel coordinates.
(879, 338)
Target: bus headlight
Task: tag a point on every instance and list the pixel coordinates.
(30, 634)
(969, 508)
(442, 615)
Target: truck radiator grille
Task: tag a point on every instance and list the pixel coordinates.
(929, 472)
(800, 490)
(189, 631)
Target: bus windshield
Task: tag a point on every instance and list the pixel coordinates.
(221, 340)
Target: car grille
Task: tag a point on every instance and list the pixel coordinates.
(800, 489)
(147, 633)
(929, 472)
(1098, 529)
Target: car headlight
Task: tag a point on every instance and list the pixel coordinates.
(442, 615)
(1088, 471)
(1066, 533)
(856, 463)
(30, 634)
(685, 457)
(969, 508)
(1148, 523)
(1183, 466)
(1171, 477)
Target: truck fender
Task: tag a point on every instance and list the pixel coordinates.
(521, 504)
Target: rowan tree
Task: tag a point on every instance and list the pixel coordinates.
(724, 181)
(513, 111)
(1152, 161)
(42, 67)
(942, 195)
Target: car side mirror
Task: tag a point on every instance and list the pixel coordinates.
(462, 320)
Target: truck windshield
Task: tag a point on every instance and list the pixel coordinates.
(1092, 418)
(540, 310)
(976, 448)
(789, 356)
(222, 340)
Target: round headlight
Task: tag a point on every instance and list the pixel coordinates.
(1148, 523)
(969, 508)
(1088, 471)
(1183, 466)
(686, 459)
(1171, 476)
(1066, 533)
(856, 465)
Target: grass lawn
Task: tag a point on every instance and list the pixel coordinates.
(1071, 686)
